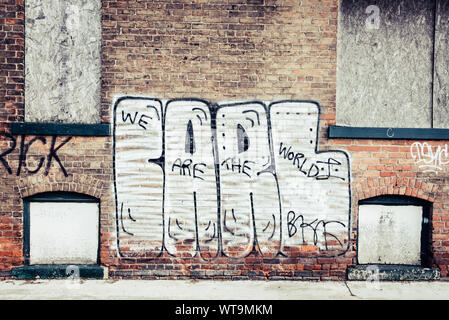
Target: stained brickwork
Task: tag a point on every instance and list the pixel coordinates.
(222, 52)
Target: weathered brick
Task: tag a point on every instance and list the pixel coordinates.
(219, 52)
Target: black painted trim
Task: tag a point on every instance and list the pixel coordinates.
(396, 200)
(339, 132)
(61, 196)
(60, 129)
(26, 232)
(57, 271)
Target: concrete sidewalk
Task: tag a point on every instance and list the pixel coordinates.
(220, 290)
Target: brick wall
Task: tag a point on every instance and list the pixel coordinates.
(12, 47)
(380, 167)
(218, 51)
(84, 166)
(224, 51)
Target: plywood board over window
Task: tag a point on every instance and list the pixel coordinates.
(441, 71)
(390, 234)
(63, 233)
(61, 228)
(392, 64)
(62, 61)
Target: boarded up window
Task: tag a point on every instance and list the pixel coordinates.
(61, 228)
(62, 61)
(441, 72)
(389, 234)
(63, 233)
(392, 63)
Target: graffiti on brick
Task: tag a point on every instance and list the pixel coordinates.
(25, 144)
(428, 159)
(192, 177)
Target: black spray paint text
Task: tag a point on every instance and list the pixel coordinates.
(23, 154)
(186, 168)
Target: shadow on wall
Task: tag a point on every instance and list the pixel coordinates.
(195, 178)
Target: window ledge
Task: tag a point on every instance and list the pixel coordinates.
(340, 132)
(60, 129)
(392, 273)
(58, 272)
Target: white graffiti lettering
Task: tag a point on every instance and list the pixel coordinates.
(428, 159)
(226, 180)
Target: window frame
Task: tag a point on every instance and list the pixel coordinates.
(432, 132)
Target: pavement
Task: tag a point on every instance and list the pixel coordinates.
(220, 290)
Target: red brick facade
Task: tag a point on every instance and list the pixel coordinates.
(220, 51)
